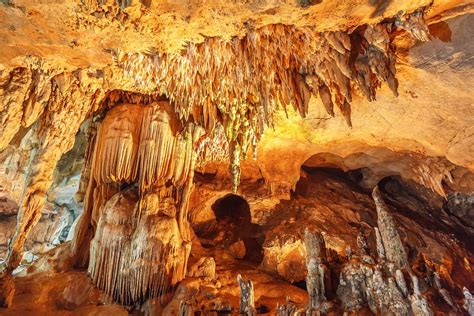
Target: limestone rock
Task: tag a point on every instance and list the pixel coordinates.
(394, 249)
(205, 267)
(247, 300)
(237, 249)
(7, 290)
(468, 302)
(284, 255)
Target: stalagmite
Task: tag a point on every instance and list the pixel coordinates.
(362, 244)
(400, 279)
(419, 304)
(468, 301)
(315, 257)
(379, 244)
(247, 301)
(436, 282)
(394, 249)
(185, 309)
(287, 309)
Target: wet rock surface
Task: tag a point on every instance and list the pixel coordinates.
(127, 130)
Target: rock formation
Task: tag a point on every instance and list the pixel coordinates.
(247, 300)
(141, 239)
(152, 152)
(315, 255)
(391, 242)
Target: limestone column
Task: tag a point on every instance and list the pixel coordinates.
(392, 244)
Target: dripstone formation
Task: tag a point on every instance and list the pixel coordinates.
(236, 157)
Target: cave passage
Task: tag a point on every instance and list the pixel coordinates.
(233, 213)
(232, 207)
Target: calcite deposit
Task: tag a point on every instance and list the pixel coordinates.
(202, 157)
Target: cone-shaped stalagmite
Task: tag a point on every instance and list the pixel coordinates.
(247, 300)
(315, 257)
(393, 246)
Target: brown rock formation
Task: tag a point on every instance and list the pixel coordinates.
(391, 242)
(108, 110)
(142, 239)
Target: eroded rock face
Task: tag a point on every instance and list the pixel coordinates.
(8, 213)
(155, 88)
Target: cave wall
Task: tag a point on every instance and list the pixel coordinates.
(67, 63)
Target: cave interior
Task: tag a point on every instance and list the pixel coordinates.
(281, 157)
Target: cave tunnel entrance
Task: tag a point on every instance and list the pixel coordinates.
(233, 215)
(352, 178)
(232, 207)
(327, 165)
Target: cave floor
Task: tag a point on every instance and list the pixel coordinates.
(277, 269)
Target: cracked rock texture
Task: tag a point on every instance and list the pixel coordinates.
(128, 128)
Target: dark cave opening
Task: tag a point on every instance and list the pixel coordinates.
(232, 207)
(315, 173)
(233, 216)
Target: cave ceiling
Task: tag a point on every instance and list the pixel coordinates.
(122, 101)
(240, 64)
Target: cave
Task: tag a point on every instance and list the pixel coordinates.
(233, 214)
(248, 157)
(232, 207)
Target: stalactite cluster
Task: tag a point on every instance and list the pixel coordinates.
(214, 147)
(432, 174)
(240, 83)
(136, 201)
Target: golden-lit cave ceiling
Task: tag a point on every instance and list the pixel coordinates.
(163, 86)
(220, 64)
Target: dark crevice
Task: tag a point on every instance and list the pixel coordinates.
(234, 219)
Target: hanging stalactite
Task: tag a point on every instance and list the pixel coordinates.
(241, 83)
(141, 178)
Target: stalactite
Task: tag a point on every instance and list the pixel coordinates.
(142, 240)
(414, 24)
(234, 82)
(432, 173)
(213, 147)
(115, 159)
